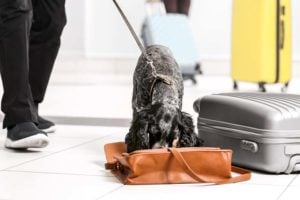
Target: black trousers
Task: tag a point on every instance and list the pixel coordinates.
(178, 6)
(30, 33)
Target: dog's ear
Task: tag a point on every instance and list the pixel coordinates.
(188, 136)
(138, 137)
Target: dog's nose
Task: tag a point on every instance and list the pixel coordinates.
(167, 118)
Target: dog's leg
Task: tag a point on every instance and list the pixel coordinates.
(138, 136)
(188, 137)
(175, 142)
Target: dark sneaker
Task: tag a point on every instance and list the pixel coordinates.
(26, 135)
(46, 125)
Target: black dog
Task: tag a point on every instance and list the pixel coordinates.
(158, 121)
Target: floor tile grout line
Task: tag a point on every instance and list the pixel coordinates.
(110, 192)
(107, 176)
(57, 173)
(264, 184)
(110, 176)
(285, 189)
(50, 154)
(90, 121)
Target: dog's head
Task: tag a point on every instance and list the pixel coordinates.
(161, 126)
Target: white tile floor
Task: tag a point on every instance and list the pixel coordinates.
(72, 167)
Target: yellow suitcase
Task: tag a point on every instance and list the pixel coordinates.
(261, 42)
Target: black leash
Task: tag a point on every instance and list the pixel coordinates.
(136, 38)
(157, 77)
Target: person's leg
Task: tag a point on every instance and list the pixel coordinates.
(17, 101)
(184, 6)
(49, 19)
(171, 6)
(15, 22)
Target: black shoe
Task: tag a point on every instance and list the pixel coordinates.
(46, 125)
(26, 135)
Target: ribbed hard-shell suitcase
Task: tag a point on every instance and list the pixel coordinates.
(261, 42)
(174, 32)
(262, 129)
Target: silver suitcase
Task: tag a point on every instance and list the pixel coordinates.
(262, 129)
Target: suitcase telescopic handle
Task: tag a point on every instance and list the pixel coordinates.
(282, 34)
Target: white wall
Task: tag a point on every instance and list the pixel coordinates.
(296, 29)
(95, 28)
(74, 36)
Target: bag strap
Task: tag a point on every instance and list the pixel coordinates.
(243, 173)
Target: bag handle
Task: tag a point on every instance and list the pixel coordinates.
(243, 173)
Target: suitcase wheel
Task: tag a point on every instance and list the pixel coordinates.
(285, 87)
(194, 80)
(198, 68)
(190, 77)
(262, 87)
(235, 85)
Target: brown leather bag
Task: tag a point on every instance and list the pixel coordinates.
(172, 165)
